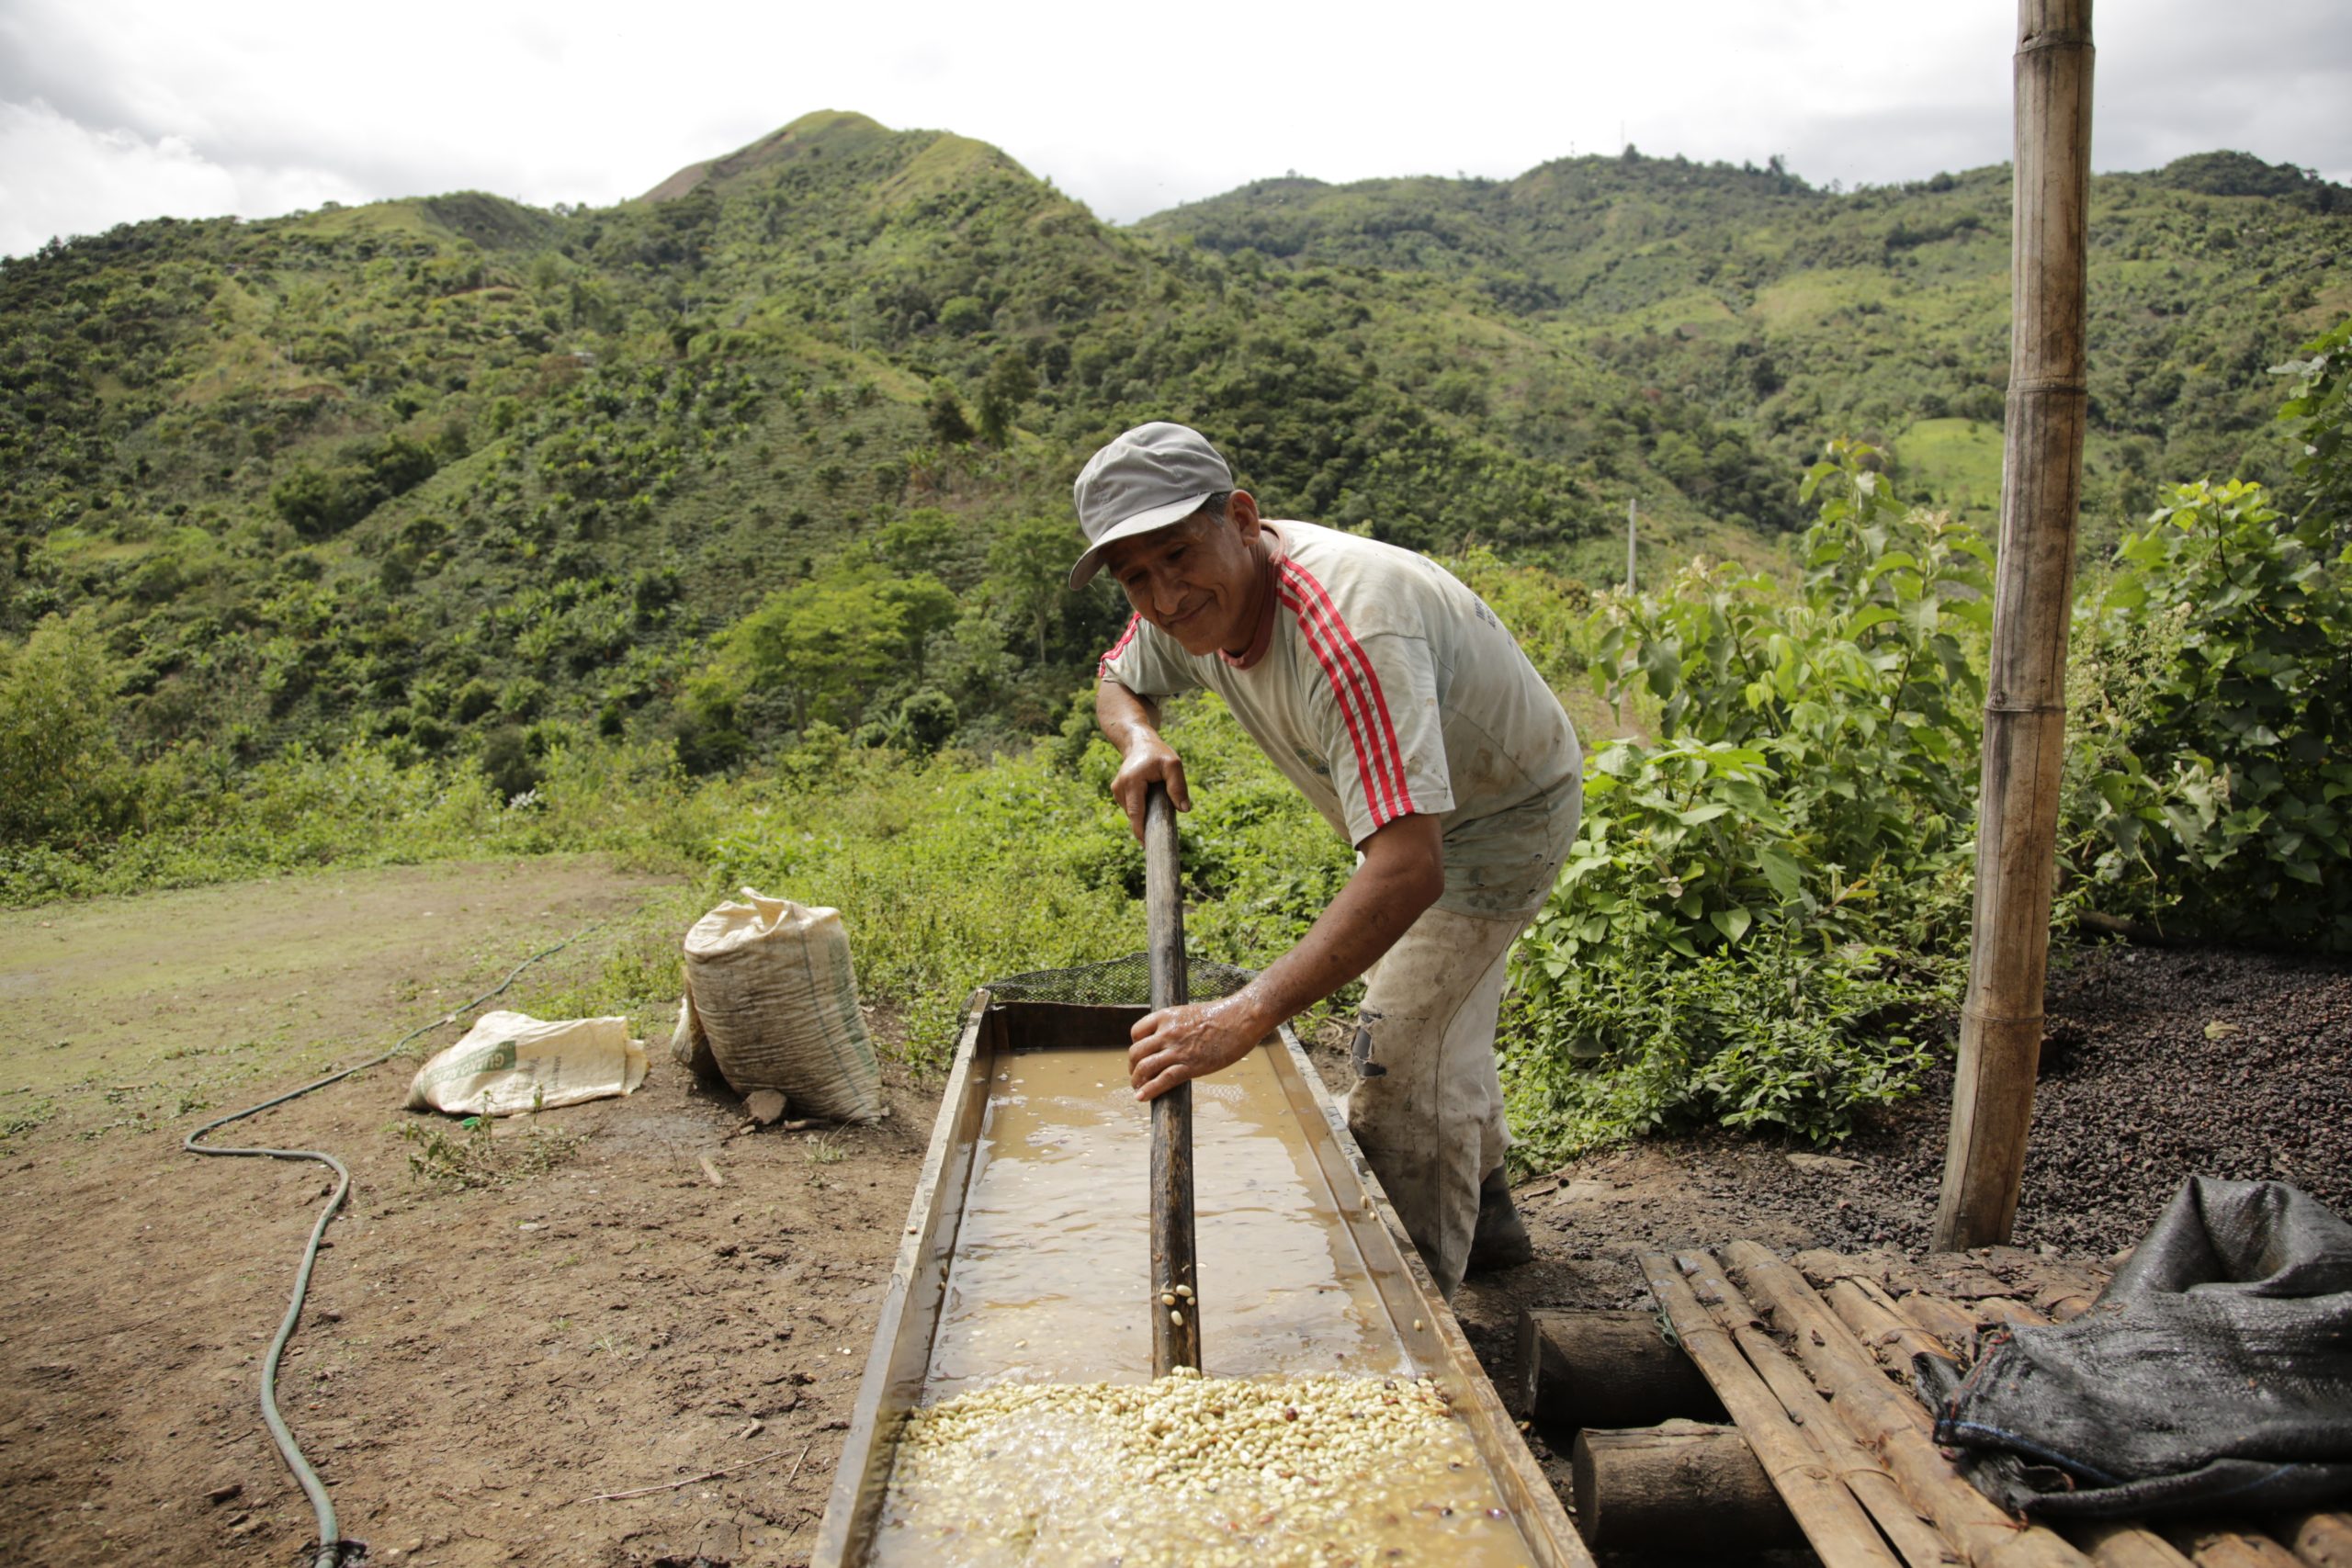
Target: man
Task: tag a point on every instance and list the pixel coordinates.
(1396, 701)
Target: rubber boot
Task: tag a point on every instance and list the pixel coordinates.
(1500, 1241)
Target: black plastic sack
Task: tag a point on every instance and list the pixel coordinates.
(2214, 1370)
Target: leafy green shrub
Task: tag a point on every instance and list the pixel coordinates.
(63, 774)
(1754, 894)
(1770, 1035)
(2208, 765)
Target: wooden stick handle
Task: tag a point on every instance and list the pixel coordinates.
(1175, 1325)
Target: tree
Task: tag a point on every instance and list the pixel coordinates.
(828, 645)
(1029, 572)
(1011, 382)
(949, 425)
(62, 770)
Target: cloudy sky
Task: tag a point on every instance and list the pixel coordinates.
(113, 111)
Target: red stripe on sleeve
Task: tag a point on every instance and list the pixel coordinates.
(1102, 670)
(1347, 702)
(1379, 725)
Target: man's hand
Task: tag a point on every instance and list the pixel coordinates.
(1130, 722)
(1178, 1044)
(1403, 873)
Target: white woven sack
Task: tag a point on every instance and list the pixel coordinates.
(510, 1062)
(770, 983)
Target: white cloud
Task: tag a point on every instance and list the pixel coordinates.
(59, 178)
(128, 108)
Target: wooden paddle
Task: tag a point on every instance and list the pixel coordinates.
(1175, 1305)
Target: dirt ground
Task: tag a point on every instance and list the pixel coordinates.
(480, 1366)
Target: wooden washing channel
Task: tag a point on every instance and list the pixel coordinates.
(1025, 1259)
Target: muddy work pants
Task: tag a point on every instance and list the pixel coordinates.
(1427, 1106)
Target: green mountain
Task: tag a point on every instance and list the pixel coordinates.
(1786, 311)
(787, 440)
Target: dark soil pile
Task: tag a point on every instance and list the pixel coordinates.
(2157, 1065)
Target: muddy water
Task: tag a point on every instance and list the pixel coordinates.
(1051, 1282)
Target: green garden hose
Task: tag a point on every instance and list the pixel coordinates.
(331, 1542)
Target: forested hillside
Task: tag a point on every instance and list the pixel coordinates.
(785, 441)
(726, 528)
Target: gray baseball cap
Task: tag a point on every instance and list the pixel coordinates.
(1154, 475)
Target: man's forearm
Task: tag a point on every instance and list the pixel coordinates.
(1122, 717)
(1398, 881)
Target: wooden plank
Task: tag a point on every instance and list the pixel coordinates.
(1606, 1368)
(1933, 1315)
(895, 1366)
(1857, 1467)
(1174, 1302)
(1841, 1532)
(2008, 1313)
(1892, 1422)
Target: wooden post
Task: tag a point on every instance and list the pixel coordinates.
(2025, 713)
(1175, 1324)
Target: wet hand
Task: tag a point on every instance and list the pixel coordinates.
(1178, 1044)
(1149, 762)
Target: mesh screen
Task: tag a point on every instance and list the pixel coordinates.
(1120, 982)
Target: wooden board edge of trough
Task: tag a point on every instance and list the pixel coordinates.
(856, 1494)
(1525, 1490)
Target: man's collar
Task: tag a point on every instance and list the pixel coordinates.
(1270, 568)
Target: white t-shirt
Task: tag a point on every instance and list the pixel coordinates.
(1390, 689)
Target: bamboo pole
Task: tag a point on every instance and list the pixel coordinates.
(1175, 1308)
(1852, 1463)
(2025, 714)
(1886, 1334)
(1890, 1421)
(2322, 1540)
(1839, 1531)
(2115, 1545)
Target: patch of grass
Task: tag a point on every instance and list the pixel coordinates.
(471, 1155)
(1956, 460)
(29, 1117)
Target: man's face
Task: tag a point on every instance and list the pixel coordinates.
(1195, 579)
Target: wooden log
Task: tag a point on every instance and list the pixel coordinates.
(2024, 708)
(2323, 1541)
(1854, 1465)
(1175, 1303)
(1893, 1424)
(1681, 1486)
(2008, 1313)
(2211, 1548)
(1606, 1368)
(1954, 1326)
(2114, 1545)
(1882, 1331)
(1839, 1531)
